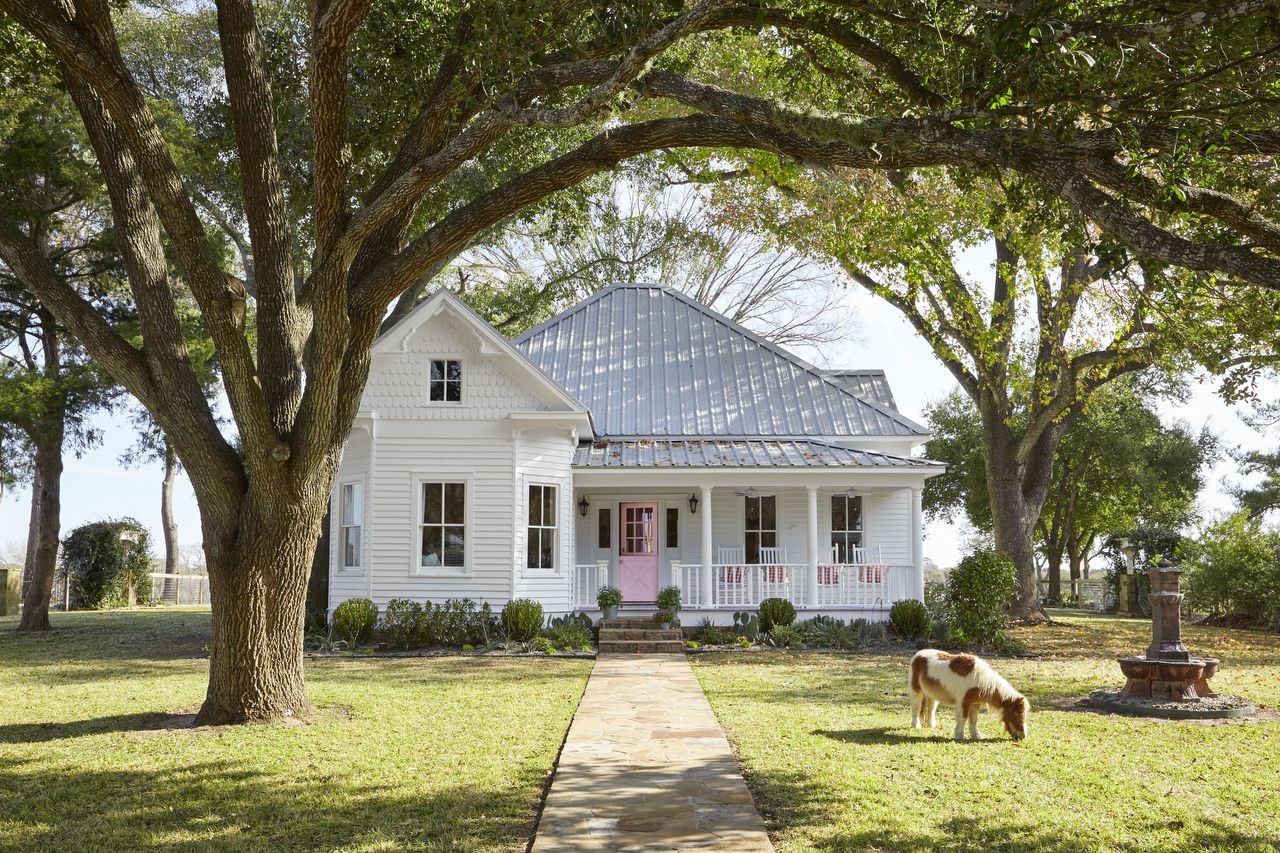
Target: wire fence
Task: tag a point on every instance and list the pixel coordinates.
(1086, 593)
(166, 589)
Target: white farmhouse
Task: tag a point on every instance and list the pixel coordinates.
(638, 439)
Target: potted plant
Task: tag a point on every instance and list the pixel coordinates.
(669, 598)
(664, 618)
(609, 598)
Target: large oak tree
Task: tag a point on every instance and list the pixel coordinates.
(401, 99)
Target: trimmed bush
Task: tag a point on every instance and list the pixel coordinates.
(403, 623)
(102, 568)
(668, 598)
(353, 620)
(978, 592)
(775, 612)
(909, 619)
(521, 619)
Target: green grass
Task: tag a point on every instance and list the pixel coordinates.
(826, 744)
(403, 754)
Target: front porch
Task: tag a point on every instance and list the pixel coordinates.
(843, 543)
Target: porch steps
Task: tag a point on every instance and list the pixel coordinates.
(637, 636)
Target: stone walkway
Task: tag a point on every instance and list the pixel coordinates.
(647, 767)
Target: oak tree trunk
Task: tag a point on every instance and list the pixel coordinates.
(1053, 559)
(42, 542)
(167, 522)
(258, 593)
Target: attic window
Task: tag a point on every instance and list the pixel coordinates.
(446, 381)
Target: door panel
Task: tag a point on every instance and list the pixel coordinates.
(638, 551)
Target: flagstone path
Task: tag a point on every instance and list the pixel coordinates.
(647, 767)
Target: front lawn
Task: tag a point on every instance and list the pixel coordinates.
(421, 754)
(826, 744)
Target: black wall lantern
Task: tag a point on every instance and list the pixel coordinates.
(693, 504)
(583, 506)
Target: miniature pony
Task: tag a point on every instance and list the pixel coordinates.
(968, 683)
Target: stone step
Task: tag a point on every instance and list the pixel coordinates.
(650, 633)
(635, 647)
(633, 622)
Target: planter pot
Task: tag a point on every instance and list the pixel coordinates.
(666, 626)
(609, 612)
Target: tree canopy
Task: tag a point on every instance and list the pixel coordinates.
(355, 147)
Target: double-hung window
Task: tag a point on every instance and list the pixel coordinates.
(351, 524)
(442, 533)
(446, 381)
(846, 527)
(761, 525)
(540, 544)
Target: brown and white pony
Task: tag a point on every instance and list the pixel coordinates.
(968, 683)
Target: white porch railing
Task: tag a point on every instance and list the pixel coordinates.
(872, 586)
(587, 580)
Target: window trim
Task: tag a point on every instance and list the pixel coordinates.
(604, 524)
(556, 561)
(416, 569)
(558, 554)
(338, 549)
(831, 532)
(762, 529)
(671, 532)
(462, 380)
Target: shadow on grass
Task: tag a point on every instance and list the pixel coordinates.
(46, 732)
(222, 805)
(885, 736)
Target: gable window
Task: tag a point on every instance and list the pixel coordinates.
(846, 527)
(351, 528)
(442, 535)
(606, 525)
(541, 542)
(673, 527)
(761, 525)
(446, 381)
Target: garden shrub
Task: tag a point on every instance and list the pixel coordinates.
(940, 633)
(711, 634)
(569, 634)
(102, 568)
(458, 622)
(353, 620)
(668, 598)
(978, 591)
(785, 637)
(828, 633)
(775, 612)
(909, 619)
(521, 619)
(1233, 569)
(935, 599)
(872, 633)
(403, 623)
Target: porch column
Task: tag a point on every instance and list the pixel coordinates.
(706, 591)
(812, 598)
(917, 544)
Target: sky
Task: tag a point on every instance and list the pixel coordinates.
(97, 486)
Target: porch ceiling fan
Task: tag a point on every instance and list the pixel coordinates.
(748, 492)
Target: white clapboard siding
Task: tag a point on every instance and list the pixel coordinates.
(544, 457)
(888, 525)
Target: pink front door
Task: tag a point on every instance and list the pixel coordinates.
(638, 552)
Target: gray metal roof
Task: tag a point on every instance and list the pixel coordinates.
(736, 453)
(647, 360)
(868, 384)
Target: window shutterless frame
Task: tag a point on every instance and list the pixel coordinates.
(542, 527)
(350, 514)
(444, 384)
(442, 526)
(760, 527)
(846, 526)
